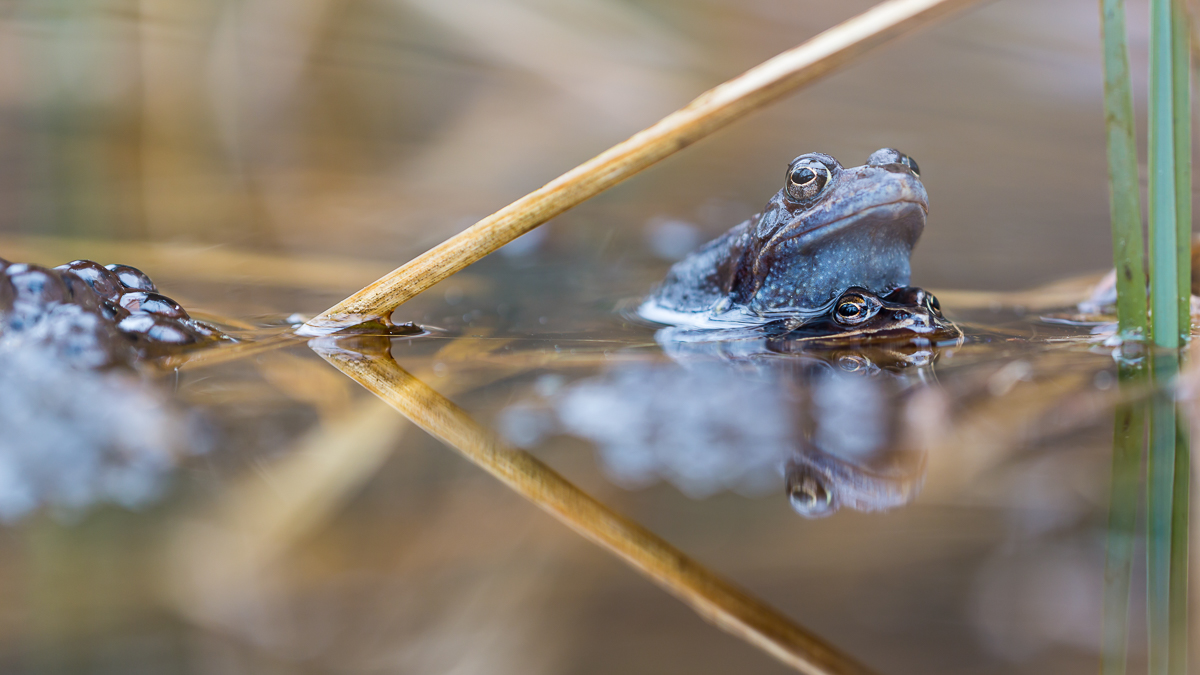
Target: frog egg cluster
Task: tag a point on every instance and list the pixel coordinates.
(75, 431)
(128, 310)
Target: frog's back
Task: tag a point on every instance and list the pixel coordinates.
(703, 279)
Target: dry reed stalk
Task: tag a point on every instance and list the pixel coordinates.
(713, 110)
(715, 599)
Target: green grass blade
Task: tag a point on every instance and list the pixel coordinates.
(1181, 71)
(1123, 173)
(1164, 239)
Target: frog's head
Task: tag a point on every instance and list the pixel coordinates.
(831, 227)
(809, 493)
(820, 483)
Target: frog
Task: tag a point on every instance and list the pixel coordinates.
(831, 423)
(904, 315)
(829, 228)
(903, 328)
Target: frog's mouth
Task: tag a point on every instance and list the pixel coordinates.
(903, 218)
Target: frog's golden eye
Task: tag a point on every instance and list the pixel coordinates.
(849, 309)
(806, 180)
(911, 164)
(853, 308)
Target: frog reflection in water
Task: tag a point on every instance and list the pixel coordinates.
(831, 423)
(828, 229)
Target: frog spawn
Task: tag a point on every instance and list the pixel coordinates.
(79, 426)
(129, 318)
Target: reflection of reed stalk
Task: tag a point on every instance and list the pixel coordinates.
(1129, 435)
(1160, 481)
(713, 110)
(713, 598)
(1178, 658)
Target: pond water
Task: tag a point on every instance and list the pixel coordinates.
(262, 160)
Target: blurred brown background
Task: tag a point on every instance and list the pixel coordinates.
(375, 128)
(265, 157)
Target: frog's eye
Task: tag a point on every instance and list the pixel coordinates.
(809, 497)
(806, 180)
(854, 308)
(850, 309)
(911, 164)
(852, 363)
(933, 302)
